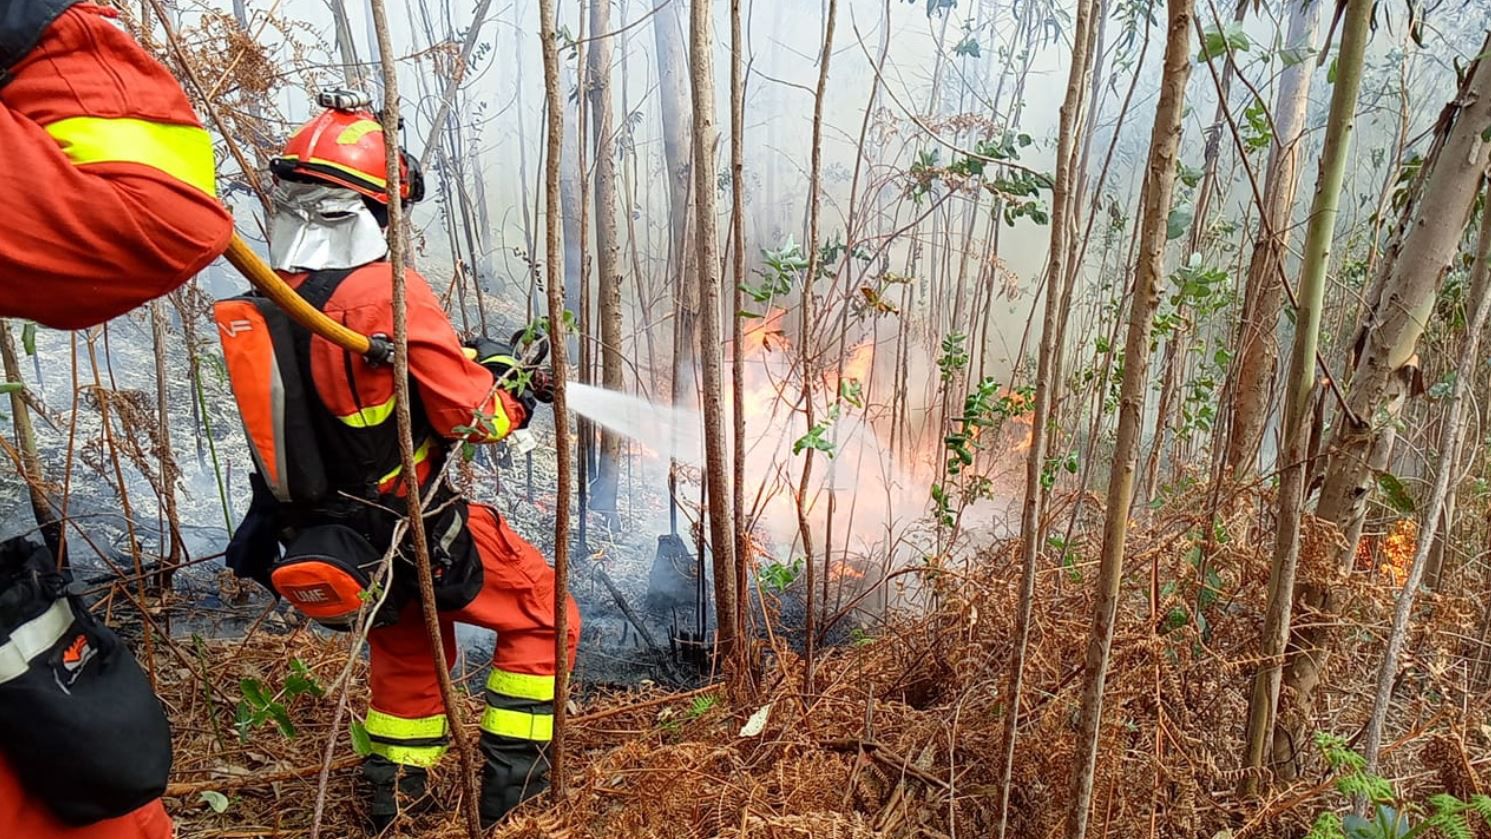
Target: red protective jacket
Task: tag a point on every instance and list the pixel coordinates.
(22, 818)
(452, 388)
(113, 199)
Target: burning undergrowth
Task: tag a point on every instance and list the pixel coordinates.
(900, 734)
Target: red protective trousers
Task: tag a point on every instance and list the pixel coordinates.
(406, 721)
(23, 818)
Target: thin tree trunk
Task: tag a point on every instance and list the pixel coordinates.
(1479, 304)
(608, 248)
(553, 260)
(1177, 346)
(448, 96)
(1258, 353)
(716, 463)
(1392, 329)
(168, 468)
(1380, 383)
(32, 473)
(352, 74)
(1323, 210)
(737, 370)
(1150, 274)
(1035, 458)
(809, 328)
(669, 33)
(396, 256)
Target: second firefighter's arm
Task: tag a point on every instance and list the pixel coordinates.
(453, 387)
(114, 197)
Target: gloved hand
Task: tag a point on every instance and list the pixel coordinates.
(506, 368)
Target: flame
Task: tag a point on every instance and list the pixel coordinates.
(1026, 437)
(845, 570)
(857, 365)
(764, 334)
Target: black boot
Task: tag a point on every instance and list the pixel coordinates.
(513, 772)
(390, 789)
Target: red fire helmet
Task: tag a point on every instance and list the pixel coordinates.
(345, 146)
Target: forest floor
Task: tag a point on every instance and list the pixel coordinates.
(901, 736)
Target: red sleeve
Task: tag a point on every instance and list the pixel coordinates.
(453, 387)
(81, 244)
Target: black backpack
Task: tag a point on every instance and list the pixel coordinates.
(78, 720)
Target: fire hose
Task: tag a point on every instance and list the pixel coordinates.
(377, 349)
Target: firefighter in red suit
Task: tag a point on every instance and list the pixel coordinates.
(118, 206)
(327, 239)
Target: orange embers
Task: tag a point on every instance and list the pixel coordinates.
(1398, 548)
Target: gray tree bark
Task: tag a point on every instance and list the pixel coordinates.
(608, 246)
(1150, 274)
(1258, 353)
(716, 459)
(1451, 432)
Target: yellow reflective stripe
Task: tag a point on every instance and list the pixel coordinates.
(369, 417)
(182, 151)
(380, 724)
(501, 424)
(521, 685)
(518, 725)
(425, 756)
(357, 130)
(420, 454)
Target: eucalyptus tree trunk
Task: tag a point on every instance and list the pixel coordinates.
(738, 263)
(397, 239)
(167, 453)
(716, 459)
(1451, 432)
(12, 516)
(555, 284)
(1258, 351)
(1177, 346)
(1149, 275)
(1389, 336)
(608, 246)
(809, 328)
(1062, 198)
(669, 32)
(1380, 383)
(1261, 728)
(571, 195)
(352, 75)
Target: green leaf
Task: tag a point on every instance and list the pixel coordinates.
(1188, 175)
(1330, 75)
(281, 718)
(1296, 55)
(1179, 221)
(362, 744)
(253, 693)
(968, 47)
(28, 338)
(1217, 43)
(214, 799)
(10, 387)
(1397, 495)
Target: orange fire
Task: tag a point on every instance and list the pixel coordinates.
(764, 334)
(843, 570)
(857, 365)
(1398, 548)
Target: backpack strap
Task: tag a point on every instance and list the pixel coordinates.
(22, 23)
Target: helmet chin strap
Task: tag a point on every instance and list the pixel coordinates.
(318, 227)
